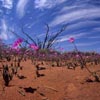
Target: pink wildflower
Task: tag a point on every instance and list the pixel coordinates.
(77, 56)
(33, 46)
(71, 40)
(17, 43)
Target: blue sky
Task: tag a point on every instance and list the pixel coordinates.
(82, 17)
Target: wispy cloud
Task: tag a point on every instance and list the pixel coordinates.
(79, 14)
(1, 12)
(3, 34)
(93, 37)
(83, 24)
(41, 4)
(4, 31)
(7, 3)
(76, 36)
(97, 29)
(21, 7)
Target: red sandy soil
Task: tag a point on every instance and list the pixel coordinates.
(58, 83)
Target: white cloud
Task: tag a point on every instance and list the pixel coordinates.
(97, 29)
(66, 8)
(83, 24)
(7, 3)
(76, 36)
(21, 7)
(75, 15)
(41, 4)
(3, 34)
(4, 31)
(1, 12)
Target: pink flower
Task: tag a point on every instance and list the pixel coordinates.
(33, 46)
(51, 50)
(71, 40)
(17, 43)
(87, 56)
(43, 55)
(77, 56)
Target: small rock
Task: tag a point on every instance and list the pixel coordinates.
(45, 98)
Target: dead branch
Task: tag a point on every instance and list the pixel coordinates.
(28, 36)
(46, 37)
(51, 88)
(52, 39)
(21, 92)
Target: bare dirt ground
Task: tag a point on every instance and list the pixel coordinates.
(56, 83)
